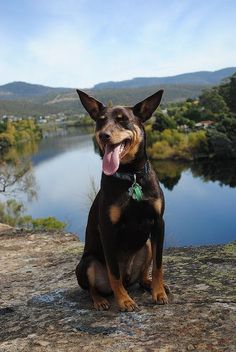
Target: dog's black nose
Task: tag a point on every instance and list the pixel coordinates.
(104, 136)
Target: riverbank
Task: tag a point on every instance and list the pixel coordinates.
(43, 309)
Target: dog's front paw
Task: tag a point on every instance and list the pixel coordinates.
(127, 305)
(160, 297)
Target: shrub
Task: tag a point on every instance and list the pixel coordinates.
(18, 132)
(177, 145)
(160, 150)
(49, 223)
(12, 213)
(6, 140)
(198, 141)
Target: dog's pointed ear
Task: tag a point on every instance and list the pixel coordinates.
(93, 106)
(146, 108)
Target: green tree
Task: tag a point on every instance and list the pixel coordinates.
(193, 113)
(220, 146)
(3, 126)
(211, 100)
(181, 120)
(163, 121)
(227, 125)
(228, 92)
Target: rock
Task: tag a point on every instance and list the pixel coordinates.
(43, 309)
(5, 228)
(202, 287)
(42, 343)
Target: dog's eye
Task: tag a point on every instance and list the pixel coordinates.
(121, 117)
(102, 117)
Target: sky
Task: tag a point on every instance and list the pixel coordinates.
(78, 43)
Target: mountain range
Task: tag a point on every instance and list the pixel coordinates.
(33, 99)
(198, 78)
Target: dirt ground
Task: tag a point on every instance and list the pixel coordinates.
(43, 309)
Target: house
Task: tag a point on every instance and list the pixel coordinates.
(204, 124)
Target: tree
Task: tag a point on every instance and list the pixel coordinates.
(227, 125)
(211, 100)
(11, 212)
(219, 144)
(16, 173)
(228, 92)
(181, 120)
(163, 121)
(20, 176)
(3, 126)
(193, 113)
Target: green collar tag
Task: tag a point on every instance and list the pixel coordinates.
(135, 191)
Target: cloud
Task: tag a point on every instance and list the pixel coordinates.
(60, 53)
(80, 43)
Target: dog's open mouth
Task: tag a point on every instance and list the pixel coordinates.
(112, 156)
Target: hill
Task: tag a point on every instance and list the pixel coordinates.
(21, 98)
(17, 90)
(70, 104)
(198, 78)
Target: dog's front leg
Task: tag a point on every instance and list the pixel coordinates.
(123, 299)
(108, 236)
(157, 239)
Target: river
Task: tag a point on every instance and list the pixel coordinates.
(200, 198)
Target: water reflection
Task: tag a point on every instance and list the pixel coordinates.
(223, 172)
(16, 171)
(169, 172)
(61, 141)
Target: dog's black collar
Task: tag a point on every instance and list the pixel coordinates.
(129, 176)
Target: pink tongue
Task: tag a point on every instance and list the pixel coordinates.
(111, 160)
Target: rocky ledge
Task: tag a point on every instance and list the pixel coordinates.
(43, 309)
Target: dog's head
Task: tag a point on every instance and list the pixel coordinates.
(119, 129)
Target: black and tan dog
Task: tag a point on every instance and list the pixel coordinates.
(125, 229)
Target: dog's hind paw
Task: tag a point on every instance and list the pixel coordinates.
(167, 289)
(102, 304)
(146, 284)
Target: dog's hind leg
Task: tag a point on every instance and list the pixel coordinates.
(92, 276)
(137, 269)
(98, 285)
(159, 291)
(145, 275)
(145, 280)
